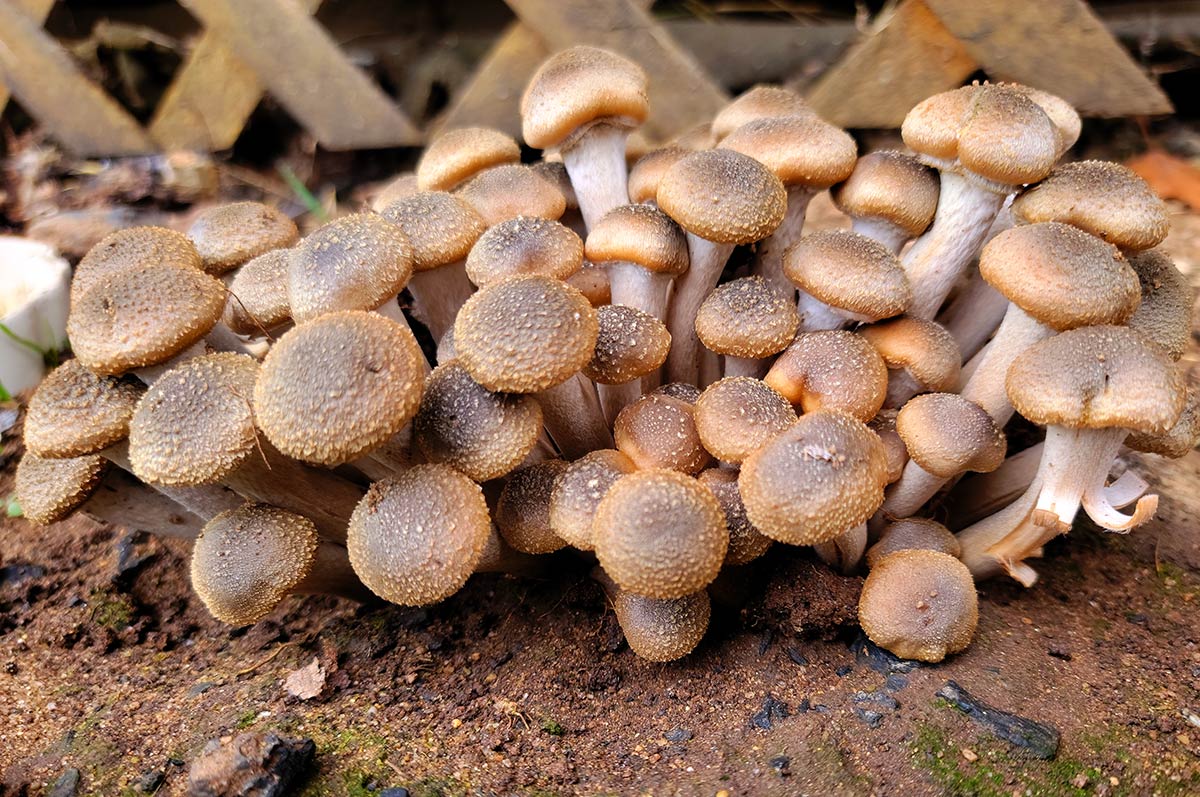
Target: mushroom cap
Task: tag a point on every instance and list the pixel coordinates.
(648, 172)
(415, 539)
(461, 423)
(578, 490)
(831, 370)
(555, 172)
(135, 246)
(823, 475)
(759, 102)
(512, 190)
(746, 543)
(919, 604)
(1177, 441)
(947, 434)
(577, 88)
(884, 425)
(399, 187)
(143, 315)
(1097, 377)
(723, 196)
(914, 533)
(684, 391)
(456, 156)
(258, 294)
(592, 282)
(630, 345)
(747, 317)
(662, 630)
(195, 424)
(440, 227)
(893, 186)
(246, 560)
(698, 136)
(1165, 313)
(357, 262)
(737, 415)
(660, 533)
(1103, 198)
(802, 151)
(642, 235)
(923, 348)
(332, 389)
(1062, 115)
(660, 432)
(525, 245)
(74, 412)
(227, 236)
(849, 272)
(524, 334)
(523, 511)
(50, 489)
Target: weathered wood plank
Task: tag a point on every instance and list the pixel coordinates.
(37, 11)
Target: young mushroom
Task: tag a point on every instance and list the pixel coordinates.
(258, 296)
(914, 533)
(513, 190)
(832, 370)
(746, 543)
(524, 245)
(658, 629)
(648, 171)
(631, 345)
(579, 489)
(890, 195)
(401, 186)
(644, 251)
(748, 322)
(1165, 313)
(660, 432)
(523, 511)
(455, 156)
(758, 102)
(73, 412)
(921, 356)
(134, 246)
(738, 415)
(48, 490)
(227, 236)
(845, 278)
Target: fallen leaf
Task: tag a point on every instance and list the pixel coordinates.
(306, 682)
(1171, 177)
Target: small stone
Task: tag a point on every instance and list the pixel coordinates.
(259, 764)
(200, 688)
(10, 667)
(149, 782)
(1059, 653)
(895, 683)
(873, 719)
(398, 791)
(782, 765)
(1080, 781)
(796, 656)
(969, 754)
(66, 786)
(844, 670)
(878, 659)
(772, 711)
(877, 699)
(1035, 738)
(678, 735)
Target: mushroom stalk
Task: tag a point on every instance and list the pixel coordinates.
(332, 574)
(572, 415)
(982, 494)
(438, 294)
(974, 315)
(911, 491)
(986, 384)
(768, 263)
(901, 387)
(596, 165)
(205, 501)
(816, 316)
(499, 557)
(122, 500)
(753, 367)
(707, 259)
(639, 288)
(844, 551)
(978, 540)
(614, 398)
(877, 229)
(151, 373)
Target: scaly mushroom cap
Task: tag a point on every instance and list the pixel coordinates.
(337, 387)
(648, 172)
(893, 186)
(247, 560)
(662, 630)
(50, 489)
(684, 391)
(923, 348)
(630, 345)
(440, 227)
(143, 315)
(746, 543)
(400, 186)
(555, 173)
(577, 88)
(523, 511)
(723, 196)
(824, 475)
(660, 432)
(850, 272)
(800, 150)
(831, 370)
(747, 318)
(738, 415)
(357, 262)
(947, 435)
(759, 102)
(884, 425)
(229, 235)
(135, 246)
(525, 245)
(74, 412)
(513, 190)
(1177, 441)
(919, 605)
(1103, 198)
(579, 489)
(461, 423)
(913, 534)
(1062, 115)
(661, 534)
(416, 539)
(592, 282)
(258, 297)
(525, 334)
(458, 155)
(639, 234)
(1165, 313)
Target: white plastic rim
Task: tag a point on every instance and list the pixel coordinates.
(34, 297)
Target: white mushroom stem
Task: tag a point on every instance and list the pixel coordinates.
(902, 386)
(122, 500)
(911, 491)
(204, 501)
(978, 539)
(572, 415)
(614, 398)
(1018, 331)
(438, 294)
(817, 316)
(596, 165)
(846, 550)
(707, 259)
(753, 367)
(768, 262)
(881, 230)
(151, 373)
(973, 316)
(332, 574)
(640, 288)
(982, 494)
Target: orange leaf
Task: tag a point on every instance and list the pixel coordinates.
(1170, 177)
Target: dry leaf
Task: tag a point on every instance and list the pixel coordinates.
(1170, 177)
(306, 682)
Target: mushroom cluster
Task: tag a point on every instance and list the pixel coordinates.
(609, 377)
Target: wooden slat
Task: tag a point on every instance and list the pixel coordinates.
(37, 11)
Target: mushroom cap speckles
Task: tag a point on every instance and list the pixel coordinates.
(592, 282)
(258, 294)
(738, 415)
(337, 387)
(229, 235)
(648, 171)
(662, 630)
(747, 317)
(924, 348)
(525, 245)
(458, 155)
(893, 186)
(1062, 115)
(661, 534)
(195, 424)
(759, 102)
(525, 334)
(1177, 441)
(660, 432)
(415, 539)
(849, 272)
(831, 370)
(746, 543)
(946, 435)
(823, 475)
(579, 489)
(135, 246)
(1165, 313)
(440, 227)
(555, 173)
(684, 391)
(920, 605)
(577, 88)
(914, 533)
(506, 192)
(800, 150)
(723, 196)
(884, 425)
(247, 560)
(74, 412)
(630, 345)
(50, 489)
(523, 511)
(642, 235)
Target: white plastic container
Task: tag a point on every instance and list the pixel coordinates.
(34, 296)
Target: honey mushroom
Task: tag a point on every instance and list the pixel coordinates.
(455, 156)
(746, 543)
(913, 533)
(890, 195)
(523, 511)
(658, 431)
(748, 322)
(658, 629)
(228, 236)
(921, 356)
(630, 346)
(506, 192)
(579, 489)
(831, 370)
(258, 300)
(643, 251)
(738, 415)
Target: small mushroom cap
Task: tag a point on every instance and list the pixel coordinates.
(357, 262)
(662, 630)
(642, 235)
(660, 533)
(831, 370)
(592, 282)
(525, 334)
(759, 102)
(684, 391)
(74, 412)
(247, 560)
(555, 172)
(747, 317)
(415, 539)
(227, 236)
(195, 424)
(825, 474)
(648, 172)
(746, 543)
(699, 136)
(723, 196)
(1165, 313)
(630, 345)
(738, 415)
(923, 348)
(1103, 198)
(577, 88)
(914, 533)
(1097, 377)
(135, 246)
(884, 425)
(400, 186)
(461, 423)
(506, 192)
(458, 155)
(1177, 441)
(850, 272)
(579, 489)
(525, 245)
(523, 511)
(50, 489)
(893, 186)
(801, 150)
(440, 227)
(947, 435)
(143, 315)
(258, 295)
(338, 387)
(919, 605)
(1062, 115)
(660, 432)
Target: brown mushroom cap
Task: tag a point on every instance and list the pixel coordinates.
(523, 511)
(923, 348)
(1174, 443)
(639, 234)
(759, 102)
(850, 272)
(579, 489)
(74, 412)
(684, 391)
(800, 150)
(258, 296)
(747, 318)
(660, 432)
(648, 172)
(630, 345)
(946, 435)
(227, 236)
(662, 630)
(592, 282)
(914, 533)
(135, 246)
(1061, 113)
(440, 227)
(555, 173)
(893, 186)
(458, 155)
(746, 543)
(884, 425)
(50, 489)
(738, 415)
(507, 192)
(660, 533)
(337, 387)
(822, 476)
(1165, 313)
(723, 196)
(832, 370)
(525, 245)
